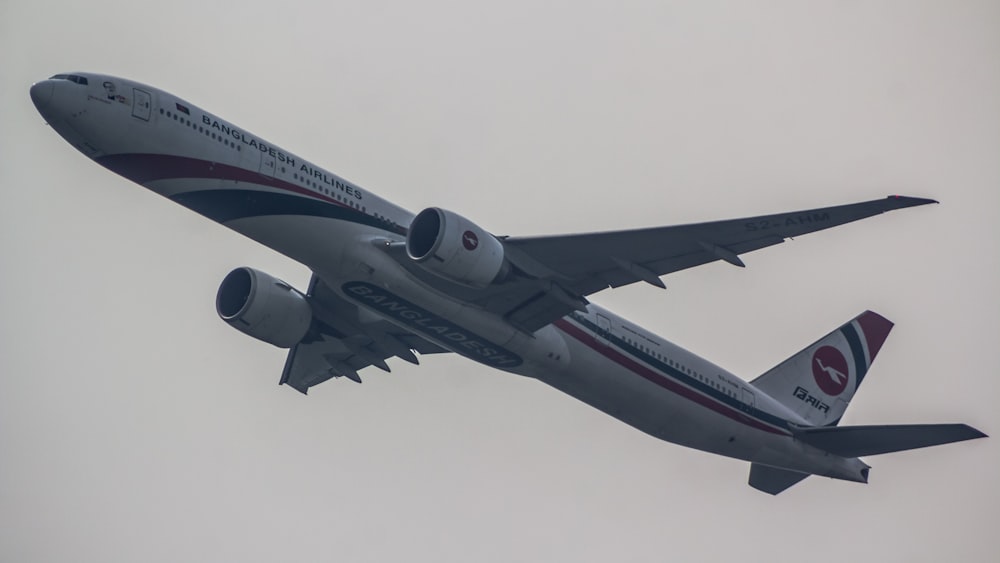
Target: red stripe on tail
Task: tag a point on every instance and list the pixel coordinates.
(876, 329)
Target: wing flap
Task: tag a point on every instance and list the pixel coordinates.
(304, 368)
(340, 344)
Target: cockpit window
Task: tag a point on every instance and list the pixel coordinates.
(71, 77)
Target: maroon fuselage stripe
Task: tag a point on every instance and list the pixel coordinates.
(628, 363)
(146, 167)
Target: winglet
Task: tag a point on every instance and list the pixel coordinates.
(902, 201)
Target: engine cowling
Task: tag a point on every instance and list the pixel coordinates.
(264, 307)
(451, 246)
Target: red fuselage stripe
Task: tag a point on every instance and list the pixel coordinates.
(635, 367)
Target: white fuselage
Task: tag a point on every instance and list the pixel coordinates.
(335, 227)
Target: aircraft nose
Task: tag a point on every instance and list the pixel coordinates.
(41, 94)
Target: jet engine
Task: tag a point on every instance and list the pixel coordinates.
(264, 307)
(451, 246)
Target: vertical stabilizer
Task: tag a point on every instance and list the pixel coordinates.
(819, 382)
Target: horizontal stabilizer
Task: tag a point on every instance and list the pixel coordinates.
(772, 480)
(855, 441)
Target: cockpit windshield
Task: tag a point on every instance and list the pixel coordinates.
(71, 77)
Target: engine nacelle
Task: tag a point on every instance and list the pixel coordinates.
(264, 307)
(455, 248)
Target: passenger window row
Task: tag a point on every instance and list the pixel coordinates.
(207, 132)
(327, 191)
(211, 134)
(707, 381)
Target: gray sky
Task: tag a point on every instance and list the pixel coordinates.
(136, 426)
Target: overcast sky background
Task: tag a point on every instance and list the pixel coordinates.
(136, 426)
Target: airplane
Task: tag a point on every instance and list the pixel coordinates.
(387, 283)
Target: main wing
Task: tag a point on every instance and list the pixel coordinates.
(587, 263)
(554, 274)
(342, 342)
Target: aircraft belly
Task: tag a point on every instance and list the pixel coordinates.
(312, 241)
(373, 280)
(661, 413)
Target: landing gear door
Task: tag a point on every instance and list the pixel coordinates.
(141, 104)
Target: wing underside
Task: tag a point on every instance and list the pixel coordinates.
(552, 275)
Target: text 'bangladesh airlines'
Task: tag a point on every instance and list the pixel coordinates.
(390, 284)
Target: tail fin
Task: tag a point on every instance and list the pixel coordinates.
(819, 382)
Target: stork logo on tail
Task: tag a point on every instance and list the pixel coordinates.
(829, 369)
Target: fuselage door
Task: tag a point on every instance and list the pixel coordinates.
(267, 164)
(141, 104)
(603, 329)
(747, 400)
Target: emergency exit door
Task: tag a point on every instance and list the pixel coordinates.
(141, 104)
